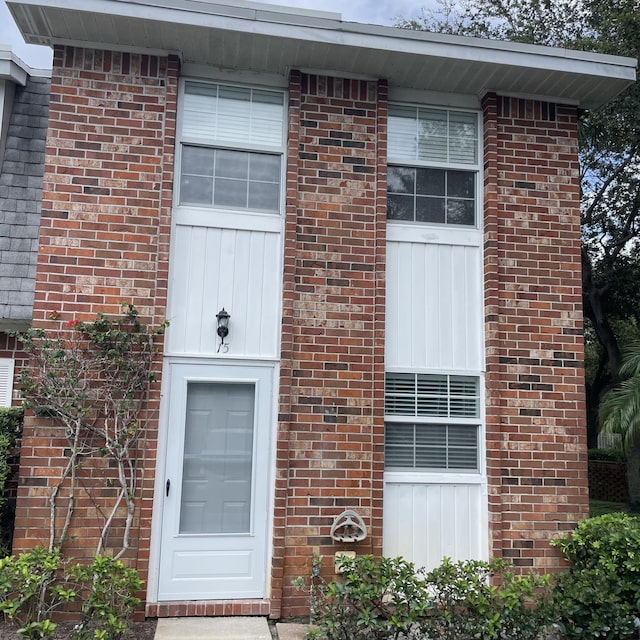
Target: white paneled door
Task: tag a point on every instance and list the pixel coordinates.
(214, 530)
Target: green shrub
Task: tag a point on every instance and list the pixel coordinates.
(381, 599)
(10, 429)
(32, 586)
(28, 593)
(599, 595)
(608, 455)
(376, 599)
(486, 600)
(108, 591)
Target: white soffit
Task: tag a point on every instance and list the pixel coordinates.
(271, 39)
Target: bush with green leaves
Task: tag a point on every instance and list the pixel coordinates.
(108, 592)
(376, 599)
(29, 593)
(10, 429)
(599, 595)
(382, 599)
(486, 600)
(34, 584)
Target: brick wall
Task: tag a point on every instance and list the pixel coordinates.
(536, 440)
(104, 239)
(332, 382)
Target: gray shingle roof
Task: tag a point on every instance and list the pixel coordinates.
(20, 201)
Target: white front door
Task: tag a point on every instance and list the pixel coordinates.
(214, 528)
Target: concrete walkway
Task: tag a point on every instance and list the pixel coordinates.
(226, 629)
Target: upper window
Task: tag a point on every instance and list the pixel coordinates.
(232, 145)
(433, 158)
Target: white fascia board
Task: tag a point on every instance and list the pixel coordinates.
(216, 6)
(12, 68)
(318, 29)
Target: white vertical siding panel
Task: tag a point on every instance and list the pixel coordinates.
(460, 312)
(255, 290)
(475, 297)
(404, 309)
(271, 269)
(207, 323)
(392, 323)
(235, 269)
(434, 307)
(195, 272)
(237, 292)
(443, 306)
(417, 294)
(178, 295)
(426, 522)
(431, 320)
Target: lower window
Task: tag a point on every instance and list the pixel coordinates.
(422, 447)
(432, 422)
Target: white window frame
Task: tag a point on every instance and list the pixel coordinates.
(444, 476)
(475, 169)
(434, 474)
(245, 219)
(7, 369)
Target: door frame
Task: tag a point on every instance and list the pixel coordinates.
(161, 462)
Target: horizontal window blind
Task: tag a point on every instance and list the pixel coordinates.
(7, 366)
(222, 115)
(431, 446)
(437, 395)
(433, 135)
(430, 443)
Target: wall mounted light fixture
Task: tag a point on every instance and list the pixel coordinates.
(223, 325)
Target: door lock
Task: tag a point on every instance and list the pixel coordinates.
(168, 486)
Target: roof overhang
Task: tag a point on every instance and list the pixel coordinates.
(11, 67)
(241, 35)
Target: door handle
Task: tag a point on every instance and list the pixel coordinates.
(168, 486)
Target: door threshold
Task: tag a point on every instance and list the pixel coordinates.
(207, 608)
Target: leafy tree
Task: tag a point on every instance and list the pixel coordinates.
(620, 413)
(609, 157)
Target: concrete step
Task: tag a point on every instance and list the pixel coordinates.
(213, 629)
(291, 631)
(226, 629)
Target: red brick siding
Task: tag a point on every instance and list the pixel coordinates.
(104, 238)
(331, 417)
(536, 439)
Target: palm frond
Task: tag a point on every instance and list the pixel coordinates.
(620, 409)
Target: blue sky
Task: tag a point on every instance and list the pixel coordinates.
(368, 11)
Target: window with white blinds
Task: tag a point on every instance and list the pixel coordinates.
(433, 135)
(432, 422)
(433, 165)
(6, 381)
(232, 147)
